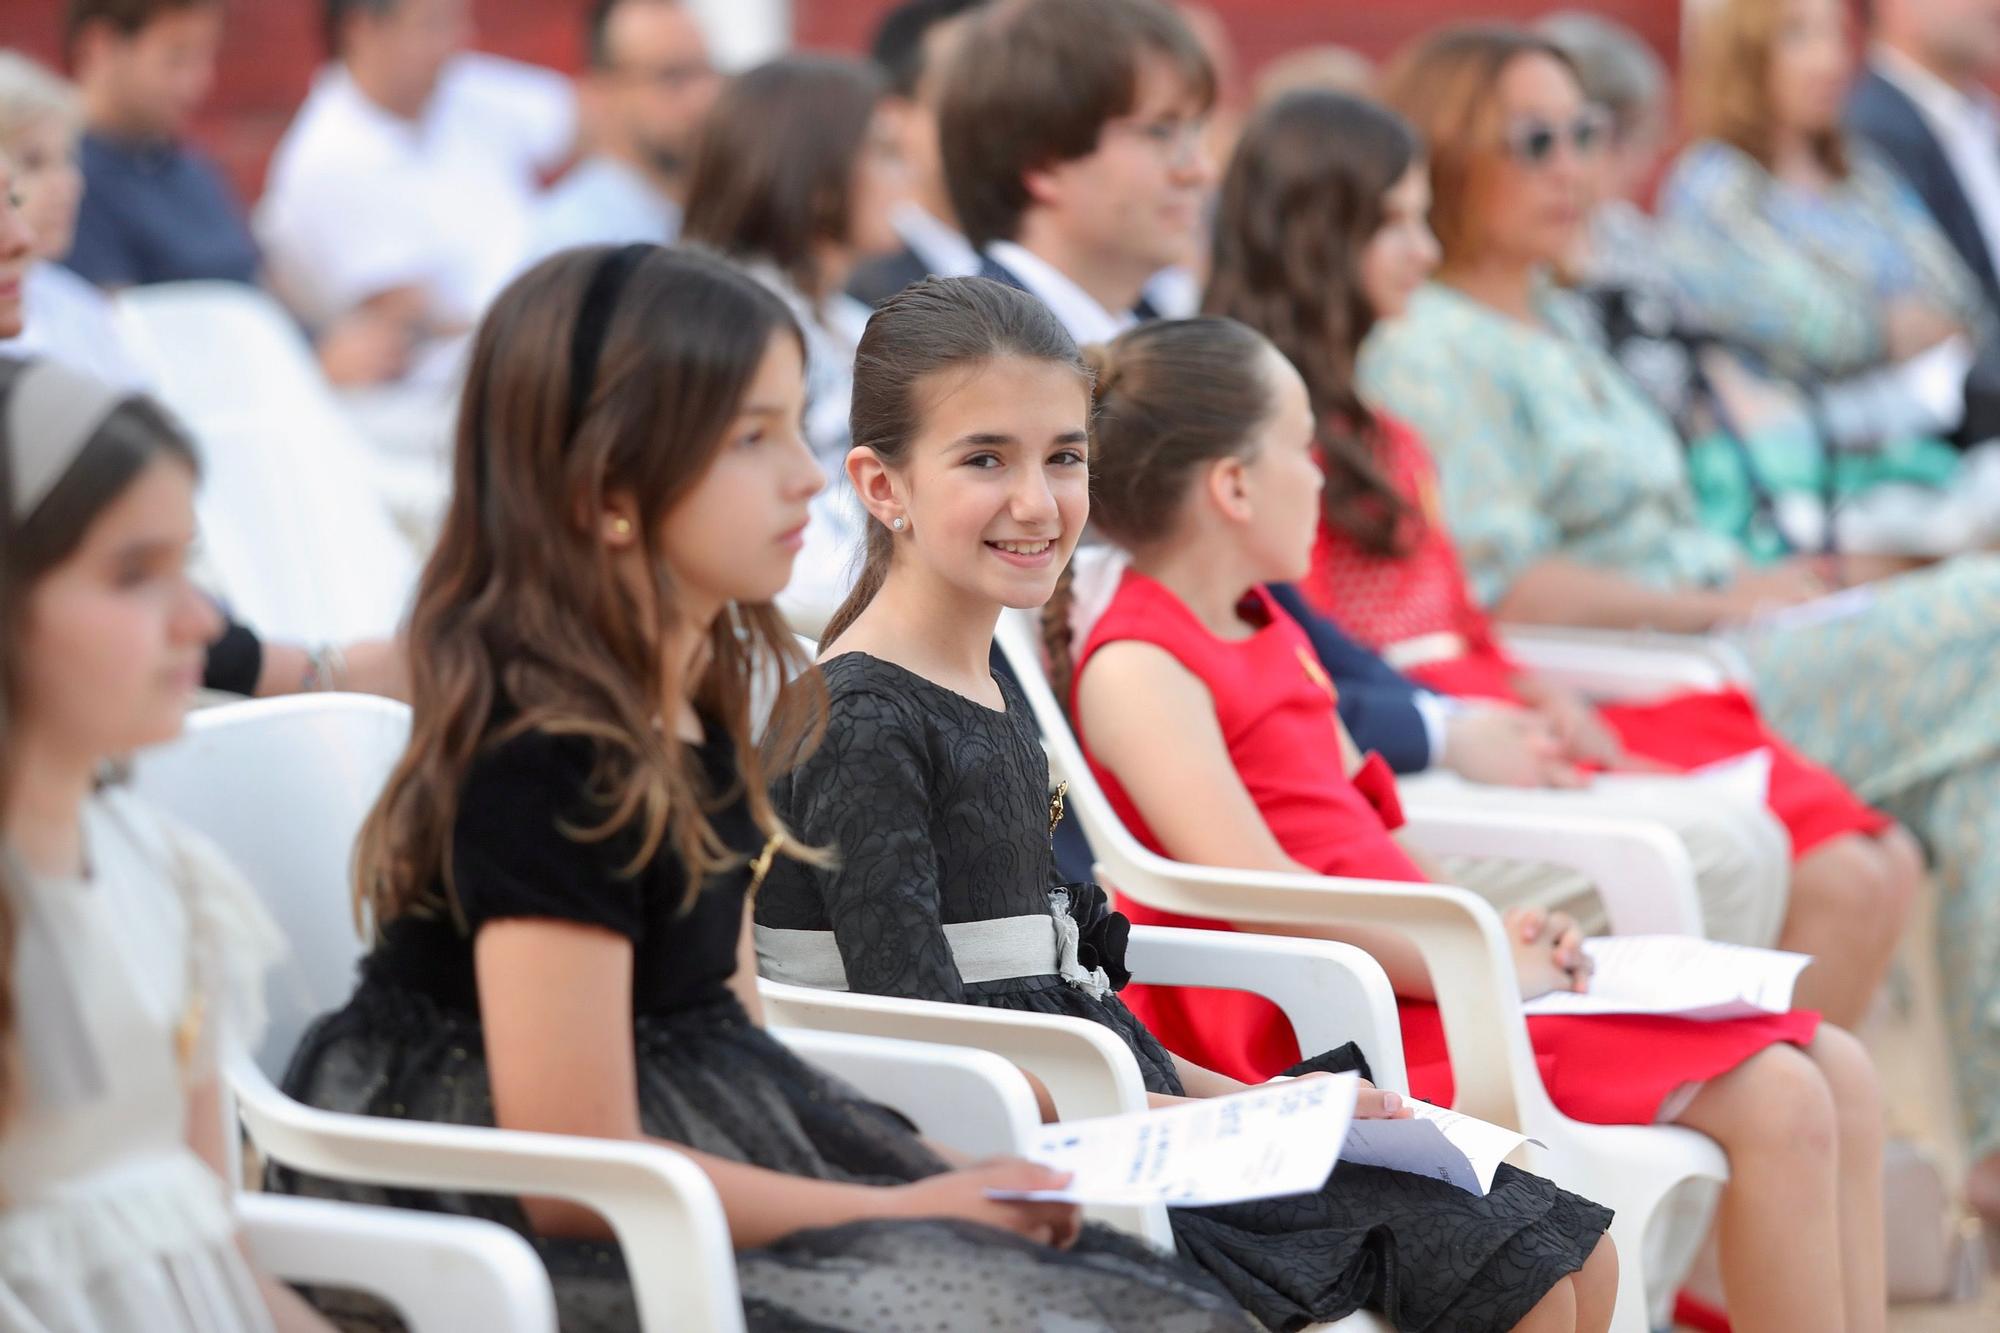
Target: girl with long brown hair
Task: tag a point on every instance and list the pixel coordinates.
(1385, 567)
(559, 871)
(971, 414)
(126, 942)
(795, 177)
(1204, 473)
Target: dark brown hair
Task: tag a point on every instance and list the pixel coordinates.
(125, 17)
(135, 433)
(521, 623)
(1300, 202)
(1726, 83)
(773, 174)
(1448, 86)
(927, 329)
(1034, 83)
(1171, 397)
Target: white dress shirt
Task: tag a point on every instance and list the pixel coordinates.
(602, 201)
(70, 320)
(1967, 128)
(361, 201)
(1087, 321)
(941, 246)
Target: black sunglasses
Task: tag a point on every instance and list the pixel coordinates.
(1533, 141)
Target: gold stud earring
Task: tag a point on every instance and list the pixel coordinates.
(621, 527)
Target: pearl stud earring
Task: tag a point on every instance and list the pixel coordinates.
(900, 523)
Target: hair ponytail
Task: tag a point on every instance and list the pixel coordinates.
(1058, 645)
(929, 327)
(879, 546)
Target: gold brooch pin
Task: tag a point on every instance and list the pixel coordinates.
(762, 865)
(1056, 806)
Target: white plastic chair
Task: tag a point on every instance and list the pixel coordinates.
(1624, 666)
(1628, 1168)
(296, 509)
(282, 785)
(1332, 993)
(441, 1274)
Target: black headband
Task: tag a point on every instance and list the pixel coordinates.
(593, 322)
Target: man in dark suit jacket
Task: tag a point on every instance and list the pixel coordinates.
(1921, 103)
(913, 46)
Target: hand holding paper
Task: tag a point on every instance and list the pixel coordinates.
(1270, 1141)
(1679, 976)
(1434, 1142)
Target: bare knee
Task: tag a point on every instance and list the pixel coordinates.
(1596, 1287)
(1780, 1107)
(1860, 882)
(1906, 864)
(1554, 1313)
(1852, 1085)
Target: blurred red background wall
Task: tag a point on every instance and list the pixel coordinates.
(272, 46)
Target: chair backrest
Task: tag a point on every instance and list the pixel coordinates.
(1474, 986)
(283, 786)
(300, 536)
(1122, 860)
(1344, 1010)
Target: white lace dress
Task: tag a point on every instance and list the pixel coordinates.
(109, 1223)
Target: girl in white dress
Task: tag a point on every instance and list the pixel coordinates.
(125, 942)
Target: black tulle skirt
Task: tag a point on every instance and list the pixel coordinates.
(712, 1080)
(1425, 1255)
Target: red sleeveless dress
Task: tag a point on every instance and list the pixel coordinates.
(1420, 601)
(1277, 712)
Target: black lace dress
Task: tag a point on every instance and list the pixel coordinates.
(408, 1044)
(938, 809)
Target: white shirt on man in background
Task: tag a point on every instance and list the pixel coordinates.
(602, 201)
(360, 201)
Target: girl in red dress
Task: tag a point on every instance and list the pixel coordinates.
(1349, 176)
(1203, 469)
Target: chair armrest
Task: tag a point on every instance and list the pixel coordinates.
(440, 1273)
(968, 1100)
(658, 1202)
(1455, 932)
(1639, 868)
(1621, 666)
(1332, 993)
(1086, 1068)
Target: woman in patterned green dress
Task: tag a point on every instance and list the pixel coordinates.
(1569, 500)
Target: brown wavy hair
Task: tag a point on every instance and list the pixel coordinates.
(1300, 202)
(773, 173)
(135, 433)
(1447, 86)
(1169, 398)
(520, 621)
(1726, 83)
(928, 328)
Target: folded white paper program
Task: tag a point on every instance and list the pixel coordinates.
(1434, 1142)
(1679, 976)
(1273, 1140)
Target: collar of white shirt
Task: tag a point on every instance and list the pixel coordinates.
(941, 246)
(1086, 320)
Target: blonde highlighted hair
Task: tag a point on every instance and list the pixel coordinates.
(1726, 82)
(1448, 87)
